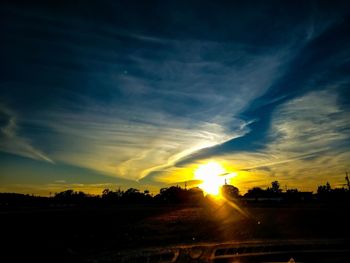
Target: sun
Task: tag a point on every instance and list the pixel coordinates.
(211, 176)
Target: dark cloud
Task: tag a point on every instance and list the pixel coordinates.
(135, 88)
(321, 64)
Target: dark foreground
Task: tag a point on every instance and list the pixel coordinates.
(89, 234)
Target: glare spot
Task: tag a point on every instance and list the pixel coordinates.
(211, 176)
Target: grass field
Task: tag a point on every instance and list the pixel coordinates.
(72, 233)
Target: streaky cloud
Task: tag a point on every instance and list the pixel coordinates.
(11, 142)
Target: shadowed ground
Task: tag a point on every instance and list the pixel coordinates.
(75, 233)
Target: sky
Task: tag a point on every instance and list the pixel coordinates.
(119, 94)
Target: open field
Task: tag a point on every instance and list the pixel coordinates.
(73, 233)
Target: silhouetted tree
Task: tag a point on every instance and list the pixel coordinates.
(326, 193)
(195, 195)
(112, 196)
(255, 192)
(14, 199)
(71, 197)
(173, 194)
(230, 191)
(133, 195)
(324, 189)
(275, 187)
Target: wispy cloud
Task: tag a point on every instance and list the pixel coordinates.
(119, 147)
(301, 132)
(310, 123)
(161, 109)
(129, 98)
(52, 188)
(13, 143)
(308, 143)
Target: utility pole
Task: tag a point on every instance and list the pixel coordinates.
(347, 180)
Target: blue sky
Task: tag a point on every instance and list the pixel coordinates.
(137, 93)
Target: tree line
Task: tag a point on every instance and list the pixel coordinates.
(178, 195)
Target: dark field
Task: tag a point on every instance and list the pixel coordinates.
(76, 234)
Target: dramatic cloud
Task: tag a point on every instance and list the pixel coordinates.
(143, 95)
(177, 104)
(308, 143)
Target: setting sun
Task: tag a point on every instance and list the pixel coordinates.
(211, 176)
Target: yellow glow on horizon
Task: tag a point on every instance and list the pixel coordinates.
(213, 176)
